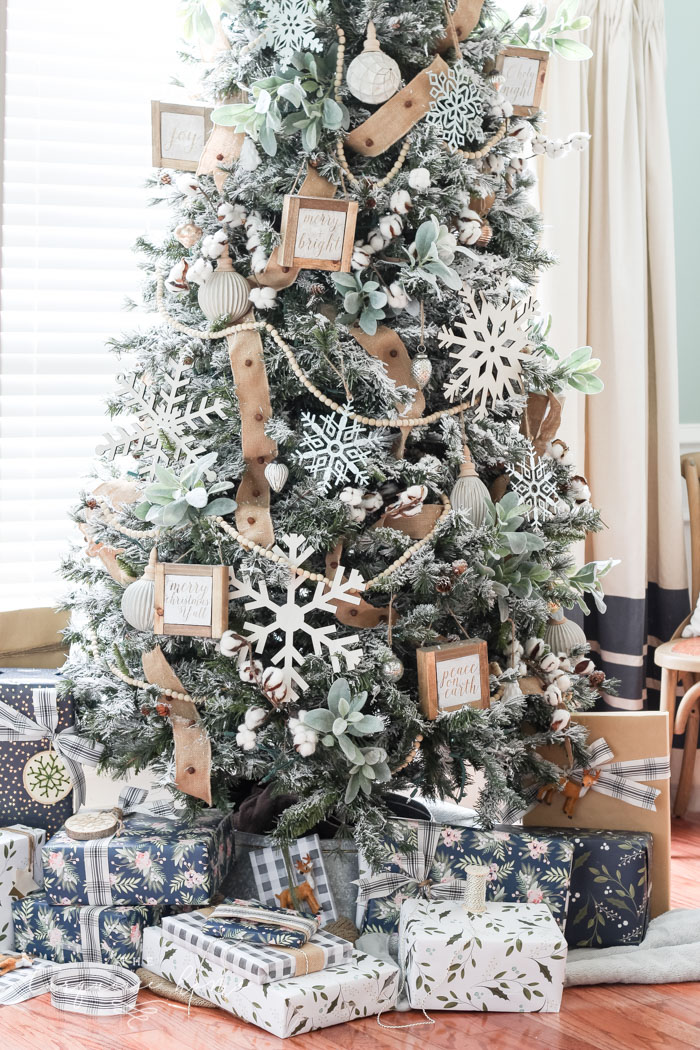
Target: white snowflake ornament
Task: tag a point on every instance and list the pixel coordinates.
(532, 482)
(164, 430)
(457, 106)
(290, 617)
(491, 340)
(291, 26)
(335, 449)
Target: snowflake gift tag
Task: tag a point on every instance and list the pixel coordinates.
(491, 341)
(163, 431)
(336, 450)
(290, 617)
(290, 27)
(457, 106)
(532, 481)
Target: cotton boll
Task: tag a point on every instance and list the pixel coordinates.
(400, 202)
(556, 449)
(555, 148)
(200, 271)
(584, 666)
(255, 716)
(232, 644)
(469, 230)
(419, 179)
(578, 489)
(306, 748)
(523, 133)
(552, 695)
(249, 670)
(396, 296)
(539, 145)
(502, 108)
(534, 648)
(176, 279)
(517, 165)
(371, 501)
(390, 226)
(351, 496)
(564, 662)
(562, 680)
(375, 240)
(246, 738)
(356, 514)
(263, 298)
(361, 256)
(232, 214)
(213, 246)
(187, 184)
(560, 719)
(579, 141)
(549, 663)
(493, 164)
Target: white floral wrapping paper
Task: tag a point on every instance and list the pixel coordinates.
(20, 849)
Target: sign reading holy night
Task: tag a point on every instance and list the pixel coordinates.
(452, 676)
(522, 73)
(317, 233)
(191, 600)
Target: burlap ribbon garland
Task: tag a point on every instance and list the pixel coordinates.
(541, 419)
(120, 493)
(363, 614)
(387, 347)
(395, 118)
(245, 352)
(464, 19)
(223, 146)
(416, 526)
(192, 744)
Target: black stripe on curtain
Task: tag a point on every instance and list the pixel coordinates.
(627, 635)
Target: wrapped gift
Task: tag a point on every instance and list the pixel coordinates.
(431, 861)
(153, 860)
(625, 788)
(260, 963)
(510, 958)
(358, 988)
(312, 887)
(239, 920)
(610, 897)
(73, 934)
(41, 755)
(20, 872)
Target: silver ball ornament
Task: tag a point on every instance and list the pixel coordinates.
(392, 668)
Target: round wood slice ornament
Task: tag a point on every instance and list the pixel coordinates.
(92, 825)
(46, 778)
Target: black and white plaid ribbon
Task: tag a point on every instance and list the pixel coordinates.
(76, 751)
(93, 988)
(415, 878)
(622, 779)
(95, 852)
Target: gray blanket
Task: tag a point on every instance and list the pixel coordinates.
(669, 953)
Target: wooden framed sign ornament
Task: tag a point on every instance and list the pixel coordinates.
(521, 81)
(318, 233)
(452, 676)
(178, 134)
(191, 600)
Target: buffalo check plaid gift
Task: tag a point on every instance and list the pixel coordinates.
(272, 879)
(259, 963)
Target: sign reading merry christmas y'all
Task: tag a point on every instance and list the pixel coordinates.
(453, 675)
(191, 600)
(317, 233)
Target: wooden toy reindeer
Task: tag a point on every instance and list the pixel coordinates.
(304, 891)
(571, 790)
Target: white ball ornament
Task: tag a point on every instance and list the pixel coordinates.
(225, 294)
(139, 598)
(373, 77)
(419, 179)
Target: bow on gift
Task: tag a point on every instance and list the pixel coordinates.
(76, 751)
(617, 779)
(415, 877)
(135, 799)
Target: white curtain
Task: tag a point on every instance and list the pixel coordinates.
(609, 220)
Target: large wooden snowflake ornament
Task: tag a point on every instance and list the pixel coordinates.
(457, 106)
(291, 616)
(531, 480)
(491, 341)
(163, 431)
(290, 27)
(335, 450)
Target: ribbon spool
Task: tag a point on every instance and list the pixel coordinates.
(475, 888)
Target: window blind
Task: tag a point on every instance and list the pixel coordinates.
(79, 77)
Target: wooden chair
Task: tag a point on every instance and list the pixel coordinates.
(680, 658)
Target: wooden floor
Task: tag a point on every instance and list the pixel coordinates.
(621, 1017)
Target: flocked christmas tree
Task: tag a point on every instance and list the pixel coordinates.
(350, 403)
